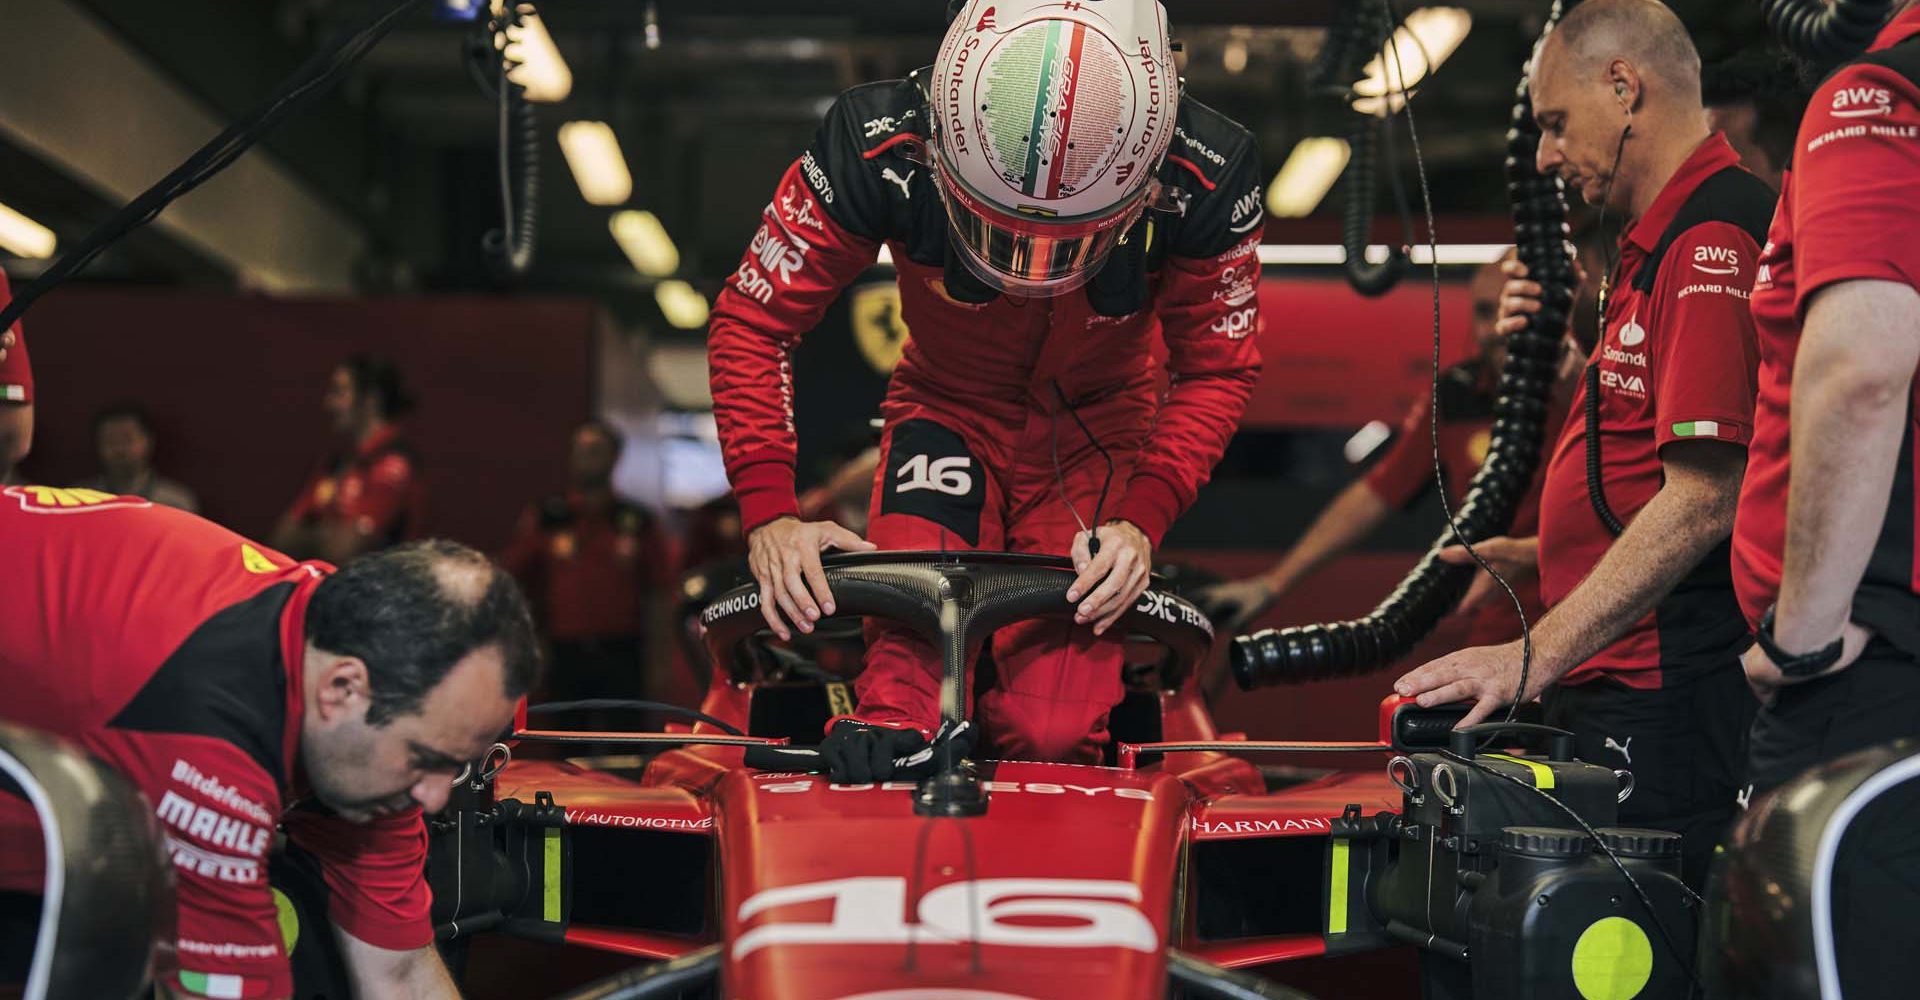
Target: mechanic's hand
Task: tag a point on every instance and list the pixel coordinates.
(1484, 675)
(1520, 298)
(1121, 571)
(1515, 559)
(1235, 604)
(784, 556)
(859, 753)
(1766, 679)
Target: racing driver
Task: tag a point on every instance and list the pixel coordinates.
(249, 696)
(1052, 203)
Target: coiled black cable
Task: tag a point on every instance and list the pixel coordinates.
(509, 249)
(1826, 32)
(1336, 649)
(1370, 279)
(1596, 492)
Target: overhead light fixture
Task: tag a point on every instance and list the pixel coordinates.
(593, 154)
(1307, 176)
(541, 70)
(23, 237)
(645, 242)
(1418, 46)
(685, 308)
(1310, 254)
(1234, 56)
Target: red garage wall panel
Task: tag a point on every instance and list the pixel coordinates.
(234, 386)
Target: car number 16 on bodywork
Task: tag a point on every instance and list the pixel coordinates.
(868, 910)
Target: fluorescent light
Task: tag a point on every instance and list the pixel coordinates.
(1234, 57)
(1310, 254)
(645, 242)
(685, 308)
(593, 154)
(1365, 440)
(1306, 177)
(1422, 42)
(24, 237)
(541, 70)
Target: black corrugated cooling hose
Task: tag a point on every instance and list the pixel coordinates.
(1357, 34)
(1826, 32)
(509, 249)
(1430, 591)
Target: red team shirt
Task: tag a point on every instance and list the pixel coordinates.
(376, 489)
(589, 567)
(1849, 210)
(171, 649)
(16, 374)
(1676, 360)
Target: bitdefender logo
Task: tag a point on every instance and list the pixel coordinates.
(1862, 102)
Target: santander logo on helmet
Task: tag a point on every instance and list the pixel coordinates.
(1051, 120)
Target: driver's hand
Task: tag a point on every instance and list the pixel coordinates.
(1113, 580)
(784, 556)
(859, 753)
(1234, 605)
(6, 343)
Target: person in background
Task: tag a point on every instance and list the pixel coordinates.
(1757, 99)
(16, 393)
(1467, 393)
(595, 568)
(123, 441)
(368, 495)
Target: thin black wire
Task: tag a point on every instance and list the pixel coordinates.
(308, 82)
(602, 704)
(1433, 417)
(1060, 476)
(1596, 486)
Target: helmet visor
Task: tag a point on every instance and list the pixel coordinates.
(1031, 254)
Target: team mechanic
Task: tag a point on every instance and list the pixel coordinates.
(1644, 633)
(245, 693)
(1824, 554)
(1467, 395)
(1031, 188)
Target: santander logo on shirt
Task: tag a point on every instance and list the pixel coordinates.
(1862, 102)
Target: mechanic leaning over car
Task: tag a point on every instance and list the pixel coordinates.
(1052, 203)
(1823, 549)
(247, 694)
(1639, 651)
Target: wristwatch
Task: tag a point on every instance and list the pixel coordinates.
(1798, 666)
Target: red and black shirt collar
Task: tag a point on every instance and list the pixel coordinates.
(1707, 159)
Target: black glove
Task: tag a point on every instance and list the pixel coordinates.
(858, 753)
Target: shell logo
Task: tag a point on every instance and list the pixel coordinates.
(62, 500)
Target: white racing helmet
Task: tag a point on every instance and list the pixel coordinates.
(1050, 122)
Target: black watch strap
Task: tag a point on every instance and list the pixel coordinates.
(1797, 665)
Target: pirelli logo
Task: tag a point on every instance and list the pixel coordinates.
(58, 500)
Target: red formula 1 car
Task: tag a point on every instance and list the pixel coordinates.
(988, 880)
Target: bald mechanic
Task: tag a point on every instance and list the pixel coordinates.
(1642, 641)
(1054, 205)
(1467, 393)
(248, 695)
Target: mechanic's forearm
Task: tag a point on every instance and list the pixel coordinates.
(1670, 535)
(1351, 517)
(406, 975)
(1850, 392)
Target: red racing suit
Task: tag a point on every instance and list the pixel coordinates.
(171, 649)
(991, 388)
